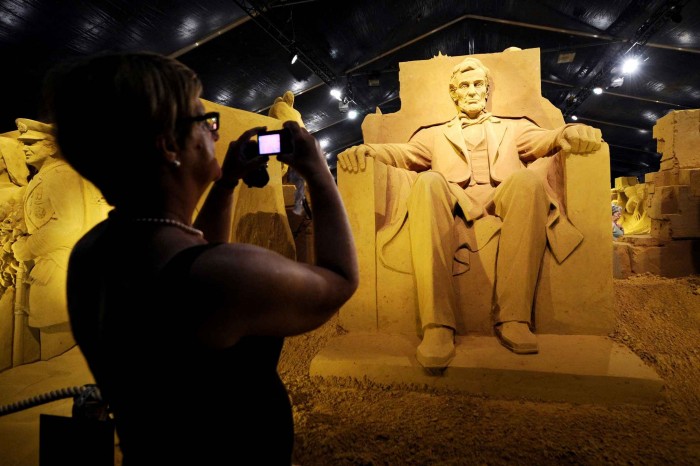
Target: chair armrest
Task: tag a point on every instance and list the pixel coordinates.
(359, 198)
(584, 303)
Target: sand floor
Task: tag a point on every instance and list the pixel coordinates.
(350, 422)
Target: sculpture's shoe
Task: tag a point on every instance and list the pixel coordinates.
(517, 337)
(437, 349)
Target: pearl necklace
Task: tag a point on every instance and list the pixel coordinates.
(169, 221)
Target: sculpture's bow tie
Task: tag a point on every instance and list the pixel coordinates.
(469, 122)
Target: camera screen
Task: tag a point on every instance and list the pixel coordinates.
(269, 144)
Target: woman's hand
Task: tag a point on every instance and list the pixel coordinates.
(241, 158)
(307, 158)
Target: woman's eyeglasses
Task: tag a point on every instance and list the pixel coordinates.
(211, 120)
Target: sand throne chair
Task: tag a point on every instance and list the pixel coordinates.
(573, 297)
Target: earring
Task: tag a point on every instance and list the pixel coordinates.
(176, 163)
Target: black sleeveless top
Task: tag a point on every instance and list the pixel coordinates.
(173, 399)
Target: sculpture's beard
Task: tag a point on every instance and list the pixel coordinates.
(472, 110)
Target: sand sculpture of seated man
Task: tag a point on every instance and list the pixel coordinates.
(473, 172)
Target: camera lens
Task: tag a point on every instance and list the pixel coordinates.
(257, 178)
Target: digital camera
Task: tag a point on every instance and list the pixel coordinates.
(269, 143)
(275, 142)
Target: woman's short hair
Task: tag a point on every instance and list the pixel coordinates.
(109, 111)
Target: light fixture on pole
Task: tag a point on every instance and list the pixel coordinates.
(294, 53)
(347, 103)
(349, 107)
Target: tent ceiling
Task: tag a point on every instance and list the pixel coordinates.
(241, 51)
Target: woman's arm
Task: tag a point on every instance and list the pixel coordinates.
(256, 291)
(216, 215)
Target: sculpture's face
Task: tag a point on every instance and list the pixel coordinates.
(37, 152)
(471, 88)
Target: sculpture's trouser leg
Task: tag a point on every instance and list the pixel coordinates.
(431, 221)
(522, 204)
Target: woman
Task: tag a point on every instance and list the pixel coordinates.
(181, 329)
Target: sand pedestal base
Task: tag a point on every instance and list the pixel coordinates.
(569, 368)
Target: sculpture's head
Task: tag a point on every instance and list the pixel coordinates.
(469, 87)
(283, 109)
(37, 141)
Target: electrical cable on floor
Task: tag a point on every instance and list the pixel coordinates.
(82, 394)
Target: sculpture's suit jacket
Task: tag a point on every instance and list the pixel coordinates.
(511, 144)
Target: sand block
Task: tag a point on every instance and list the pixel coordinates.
(677, 137)
(638, 254)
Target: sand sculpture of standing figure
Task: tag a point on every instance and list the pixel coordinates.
(283, 109)
(59, 207)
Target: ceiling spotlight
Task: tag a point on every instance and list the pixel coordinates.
(337, 93)
(630, 65)
(597, 90)
(324, 143)
(295, 57)
(352, 114)
(574, 117)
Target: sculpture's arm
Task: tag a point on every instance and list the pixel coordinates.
(534, 142)
(413, 156)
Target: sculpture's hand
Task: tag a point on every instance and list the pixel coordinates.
(632, 207)
(353, 159)
(20, 248)
(580, 139)
(637, 215)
